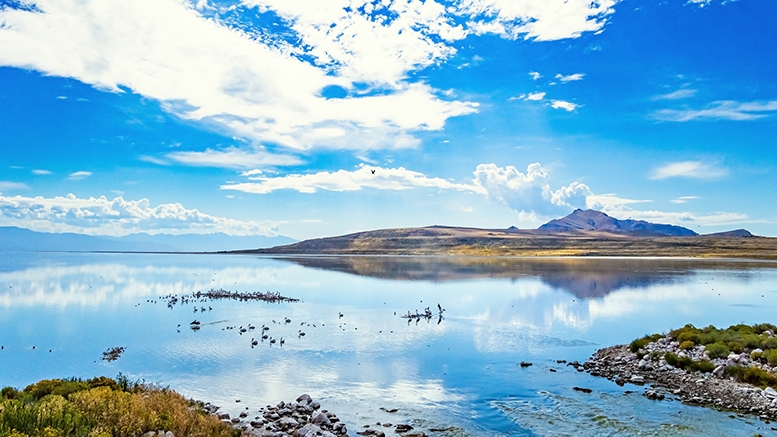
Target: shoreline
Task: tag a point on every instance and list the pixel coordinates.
(620, 365)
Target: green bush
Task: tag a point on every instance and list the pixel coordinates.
(687, 345)
(771, 356)
(752, 375)
(717, 350)
(8, 393)
(688, 364)
(756, 356)
(637, 344)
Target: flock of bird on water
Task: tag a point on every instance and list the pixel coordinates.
(199, 297)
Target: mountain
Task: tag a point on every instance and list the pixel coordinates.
(597, 221)
(737, 233)
(13, 239)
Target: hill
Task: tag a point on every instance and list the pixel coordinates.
(582, 233)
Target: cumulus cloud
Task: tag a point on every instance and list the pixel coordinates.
(343, 180)
(689, 169)
(79, 175)
(720, 110)
(117, 217)
(534, 96)
(570, 77)
(530, 191)
(561, 104)
(534, 75)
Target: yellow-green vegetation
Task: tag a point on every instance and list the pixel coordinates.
(737, 338)
(103, 407)
(759, 340)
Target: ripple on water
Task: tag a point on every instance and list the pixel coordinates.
(619, 414)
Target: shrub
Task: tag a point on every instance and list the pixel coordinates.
(752, 375)
(688, 364)
(639, 343)
(8, 393)
(769, 343)
(687, 345)
(771, 357)
(755, 356)
(717, 350)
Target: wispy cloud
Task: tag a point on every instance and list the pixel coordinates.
(688, 169)
(720, 110)
(41, 172)
(529, 191)
(680, 94)
(561, 104)
(343, 180)
(79, 175)
(12, 186)
(102, 216)
(261, 86)
(570, 77)
(683, 199)
(234, 158)
(533, 96)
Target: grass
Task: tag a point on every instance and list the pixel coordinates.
(102, 407)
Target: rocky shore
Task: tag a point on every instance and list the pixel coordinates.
(713, 389)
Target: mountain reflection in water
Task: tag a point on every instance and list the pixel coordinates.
(584, 278)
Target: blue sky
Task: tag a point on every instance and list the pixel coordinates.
(310, 118)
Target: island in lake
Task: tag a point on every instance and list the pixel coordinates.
(581, 233)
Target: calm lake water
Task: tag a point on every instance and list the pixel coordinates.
(460, 373)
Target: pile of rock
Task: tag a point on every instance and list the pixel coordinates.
(619, 364)
(302, 418)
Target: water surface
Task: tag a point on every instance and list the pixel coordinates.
(460, 373)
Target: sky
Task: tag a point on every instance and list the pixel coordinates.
(314, 118)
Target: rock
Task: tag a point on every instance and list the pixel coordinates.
(637, 379)
(770, 393)
(256, 424)
(284, 412)
(314, 405)
(304, 399)
(416, 434)
(223, 416)
(235, 420)
(288, 422)
(654, 395)
(309, 430)
(320, 419)
(719, 371)
(582, 389)
(150, 434)
(243, 415)
(525, 364)
(403, 428)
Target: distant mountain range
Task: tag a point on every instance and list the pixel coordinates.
(581, 233)
(13, 239)
(597, 221)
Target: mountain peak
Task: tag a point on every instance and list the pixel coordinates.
(592, 220)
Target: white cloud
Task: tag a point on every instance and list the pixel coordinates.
(41, 172)
(102, 216)
(534, 75)
(683, 199)
(689, 169)
(79, 175)
(561, 104)
(233, 158)
(685, 219)
(535, 96)
(467, 209)
(676, 95)
(343, 180)
(203, 71)
(12, 186)
(720, 110)
(259, 85)
(153, 160)
(540, 20)
(529, 192)
(604, 201)
(570, 78)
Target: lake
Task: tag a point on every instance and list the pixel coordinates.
(455, 375)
